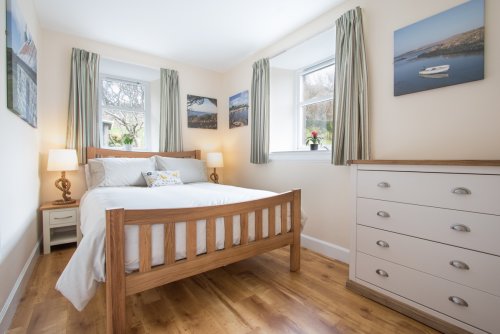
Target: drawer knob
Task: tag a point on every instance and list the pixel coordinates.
(383, 214)
(460, 228)
(459, 265)
(458, 301)
(60, 218)
(383, 185)
(461, 191)
(383, 243)
(383, 273)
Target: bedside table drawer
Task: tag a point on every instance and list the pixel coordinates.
(62, 217)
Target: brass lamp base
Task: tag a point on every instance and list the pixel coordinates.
(64, 185)
(214, 177)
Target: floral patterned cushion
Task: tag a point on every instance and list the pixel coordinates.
(162, 178)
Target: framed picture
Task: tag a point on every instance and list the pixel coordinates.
(202, 112)
(238, 110)
(442, 50)
(21, 66)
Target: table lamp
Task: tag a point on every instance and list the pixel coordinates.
(215, 160)
(62, 160)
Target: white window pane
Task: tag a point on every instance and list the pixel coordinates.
(318, 117)
(117, 125)
(124, 94)
(318, 84)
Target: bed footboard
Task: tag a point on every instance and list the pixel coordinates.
(119, 285)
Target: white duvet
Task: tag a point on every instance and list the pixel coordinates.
(79, 280)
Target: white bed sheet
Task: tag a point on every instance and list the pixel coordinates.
(80, 279)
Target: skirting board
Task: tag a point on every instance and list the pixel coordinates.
(10, 306)
(325, 248)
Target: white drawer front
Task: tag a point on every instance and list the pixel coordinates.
(433, 292)
(483, 271)
(62, 217)
(432, 223)
(433, 189)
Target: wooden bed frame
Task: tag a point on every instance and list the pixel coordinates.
(119, 284)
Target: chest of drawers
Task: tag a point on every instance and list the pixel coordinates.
(426, 241)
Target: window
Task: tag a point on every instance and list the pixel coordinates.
(302, 82)
(124, 111)
(316, 103)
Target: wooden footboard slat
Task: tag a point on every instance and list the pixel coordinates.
(258, 224)
(210, 235)
(244, 228)
(191, 239)
(272, 222)
(144, 248)
(169, 243)
(228, 235)
(283, 218)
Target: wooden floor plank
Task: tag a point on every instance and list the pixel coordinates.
(258, 295)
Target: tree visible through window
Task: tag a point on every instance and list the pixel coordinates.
(316, 102)
(123, 111)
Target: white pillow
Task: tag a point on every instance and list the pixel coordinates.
(192, 170)
(119, 172)
(162, 178)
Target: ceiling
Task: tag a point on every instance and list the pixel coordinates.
(213, 34)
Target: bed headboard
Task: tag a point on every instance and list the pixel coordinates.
(94, 152)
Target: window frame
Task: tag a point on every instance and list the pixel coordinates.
(299, 104)
(147, 110)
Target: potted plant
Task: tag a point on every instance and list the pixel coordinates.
(314, 140)
(128, 140)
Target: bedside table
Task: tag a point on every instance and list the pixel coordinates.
(61, 224)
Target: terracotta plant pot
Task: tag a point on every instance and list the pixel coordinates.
(314, 147)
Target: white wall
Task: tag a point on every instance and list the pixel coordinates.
(283, 106)
(456, 122)
(54, 95)
(19, 190)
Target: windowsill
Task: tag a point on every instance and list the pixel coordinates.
(303, 155)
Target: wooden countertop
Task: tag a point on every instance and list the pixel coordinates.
(427, 162)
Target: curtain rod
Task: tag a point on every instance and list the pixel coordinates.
(298, 43)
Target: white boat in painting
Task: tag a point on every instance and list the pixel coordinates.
(435, 70)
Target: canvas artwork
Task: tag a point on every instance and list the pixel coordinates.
(21, 66)
(238, 110)
(202, 112)
(442, 50)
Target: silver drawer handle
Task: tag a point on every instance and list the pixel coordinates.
(382, 243)
(58, 218)
(383, 185)
(461, 191)
(460, 228)
(459, 265)
(383, 214)
(383, 273)
(458, 301)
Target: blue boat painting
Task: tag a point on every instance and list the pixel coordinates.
(442, 50)
(21, 66)
(238, 110)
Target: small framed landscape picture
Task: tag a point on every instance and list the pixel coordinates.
(442, 50)
(238, 110)
(202, 112)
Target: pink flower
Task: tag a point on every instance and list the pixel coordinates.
(314, 134)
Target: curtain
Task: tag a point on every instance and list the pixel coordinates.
(351, 137)
(170, 118)
(259, 153)
(83, 112)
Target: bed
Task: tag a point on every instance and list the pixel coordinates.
(146, 243)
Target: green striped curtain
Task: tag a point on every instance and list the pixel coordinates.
(83, 112)
(259, 150)
(170, 118)
(351, 138)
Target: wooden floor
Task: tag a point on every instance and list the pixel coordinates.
(258, 295)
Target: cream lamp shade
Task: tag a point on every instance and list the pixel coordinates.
(215, 160)
(62, 160)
